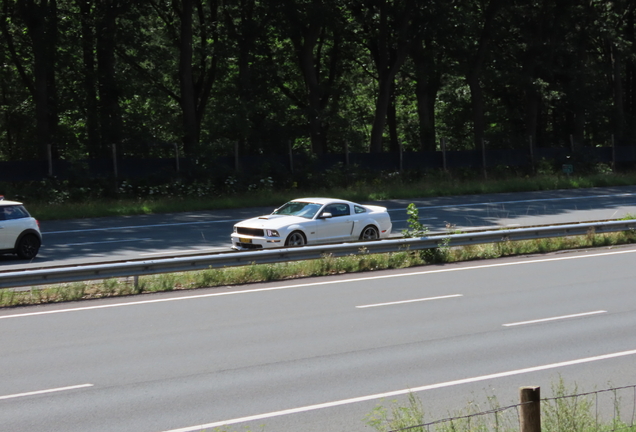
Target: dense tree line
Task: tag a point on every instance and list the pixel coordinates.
(79, 76)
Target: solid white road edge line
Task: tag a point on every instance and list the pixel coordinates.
(409, 301)
(168, 251)
(402, 392)
(331, 282)
(39, 392)
(105, 241)
(554, 318)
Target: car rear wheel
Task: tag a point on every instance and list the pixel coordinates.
(296, 238)
(369, 233)
(28, 247)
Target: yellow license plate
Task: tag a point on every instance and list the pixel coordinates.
(245, 240)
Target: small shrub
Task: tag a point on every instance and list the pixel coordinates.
(416, 228)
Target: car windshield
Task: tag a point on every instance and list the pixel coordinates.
(306, 210)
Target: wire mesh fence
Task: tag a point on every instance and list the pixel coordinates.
(609, 410)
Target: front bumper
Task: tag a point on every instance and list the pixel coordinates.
(246, 242)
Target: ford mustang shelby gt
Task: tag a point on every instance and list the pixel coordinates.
(307, 221)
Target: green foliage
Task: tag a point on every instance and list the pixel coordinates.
(259, 74)
(567, 410)
(415, 227)
(398, 417)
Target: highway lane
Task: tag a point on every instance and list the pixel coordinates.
(326, 347)
(151, 236)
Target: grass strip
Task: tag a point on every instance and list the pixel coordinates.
(327, 265)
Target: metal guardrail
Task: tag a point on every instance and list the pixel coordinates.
(78, 273)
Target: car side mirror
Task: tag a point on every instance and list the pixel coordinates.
(325, 215)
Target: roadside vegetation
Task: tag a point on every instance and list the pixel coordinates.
(568, 410)
(55, 199)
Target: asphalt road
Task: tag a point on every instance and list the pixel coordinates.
(152, 236)
(319, 354)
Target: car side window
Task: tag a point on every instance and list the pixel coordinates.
(359, 209)
(336, 210)
(13, 212)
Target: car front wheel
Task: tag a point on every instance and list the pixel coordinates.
(295, 239)
(369, 233)
(28, 246)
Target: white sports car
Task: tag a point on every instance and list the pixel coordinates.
(307, 221)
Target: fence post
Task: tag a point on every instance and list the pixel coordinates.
(49, 156)
(530, 416)
(401, 157)
(483, 157)
(346, 149)
(444, 154)
(531, 153)
(115, 160)
(236, 156)
(613, 153)
(291, 157)
(176, 155)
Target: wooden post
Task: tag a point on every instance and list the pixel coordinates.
(176, 155)
(346, 153)
(115, 160)
(483, 157)
(613, 153)
(401, 156)
(291, 157)
(49, 157)
(531, 153)
(444, 154)
(236, 156)
(530, 414)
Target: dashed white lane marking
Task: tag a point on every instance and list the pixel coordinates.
(106, 241)
(39, 392)
(409, 301)
(402, 392)
(555, 318)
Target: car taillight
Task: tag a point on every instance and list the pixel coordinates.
(37, 222)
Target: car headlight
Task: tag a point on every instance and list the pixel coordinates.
(272, 233)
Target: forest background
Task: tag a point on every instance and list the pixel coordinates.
(81, 76)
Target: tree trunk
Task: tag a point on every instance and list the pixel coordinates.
(394, 145)
(477, 105)
(427, 84)
(305, 41)
(389, 50)
(88, 46)
(619, 113)
(474, 68)
(186, 81)
(111, 125)
(381, 110)
(40, 22)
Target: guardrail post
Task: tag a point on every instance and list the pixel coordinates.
(530, 416)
